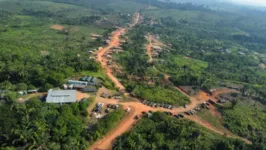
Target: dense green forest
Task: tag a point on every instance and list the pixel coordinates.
(167, 133)
(36, 125)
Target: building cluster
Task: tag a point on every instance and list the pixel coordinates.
(101, 110)
(69, 92)
(85, 84)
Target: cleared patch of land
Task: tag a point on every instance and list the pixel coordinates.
(57, 27)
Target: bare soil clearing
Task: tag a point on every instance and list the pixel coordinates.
(149, 48)
(81, 95)
(262, 66)
(114, 43)
(57, 27)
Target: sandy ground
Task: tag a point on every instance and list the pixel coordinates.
(57, 27)
(136, 19)
(81, 95)
(114, 43)
(149, 47)
(262, 66)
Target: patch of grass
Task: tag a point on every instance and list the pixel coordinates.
(175, 65)
(206, 115)
(161, 95)
(105, 125)
(100, 74)
(245, 119)
(31, 31)
(163, 132)
(126, 6)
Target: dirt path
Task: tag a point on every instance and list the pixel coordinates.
(220, 131)
(136, 20)
(137, 109)
(29, 96)
(103, 60)
(149, 47)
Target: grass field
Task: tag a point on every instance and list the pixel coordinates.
(25, 31)
(245, 119)
(100, 74)
(206, 115)
(175, 64)
(159, 94)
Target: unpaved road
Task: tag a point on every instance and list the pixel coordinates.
(136, 20)
(149, 47)
(29, 96)
(103, 60)
(137, 107)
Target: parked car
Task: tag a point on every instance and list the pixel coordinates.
(185, 106)
(181, 115)
(107, 110)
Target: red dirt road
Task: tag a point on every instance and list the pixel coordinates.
(137, 108)
(149, 48)
(114, 43)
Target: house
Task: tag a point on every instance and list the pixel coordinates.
(222, 101)
(211, 102)
(61, 96)
(33, 91)
(104, 95)
(22, 92)
(108, 56)
(65, 86)
(90, 88)
(79, 87)
(75, 82)
(90, 80)
(241, 53)
(157, 48)
(109, 62)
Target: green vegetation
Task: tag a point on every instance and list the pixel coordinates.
(176, 64)
(39, 55)
(207, 49)
(208, 37)
(158, 94)
(99, 74)
(40, 125)
(247, 119)
(168, 133)
(214, 120)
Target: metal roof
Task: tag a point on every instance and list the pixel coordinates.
(61, 96)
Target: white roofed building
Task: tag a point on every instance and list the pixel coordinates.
(61, 96)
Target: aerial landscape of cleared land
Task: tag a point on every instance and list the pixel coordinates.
(132, 75)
